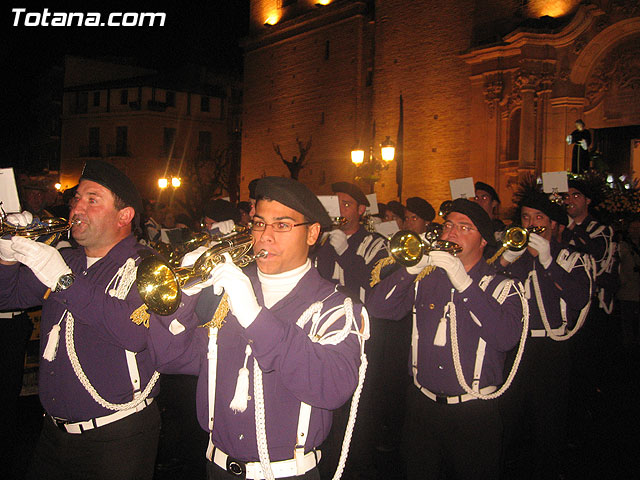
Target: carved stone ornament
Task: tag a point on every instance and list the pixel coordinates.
(626, 7)
(493, 94)
(620, 68)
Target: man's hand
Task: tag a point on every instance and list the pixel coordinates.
(454, 268)
(242, 299)
(225, 227)
(338, 240)
(20, 219)
(44, 260)
(543, 248)
(424, 262)
(190, 258)
(510, 256)
(7, 254)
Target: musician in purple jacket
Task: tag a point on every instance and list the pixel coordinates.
(465, 319)
(97, 380)
(290, 351)
(558, 286)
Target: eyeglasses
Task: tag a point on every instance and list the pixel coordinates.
(278, 227)
(464, 229)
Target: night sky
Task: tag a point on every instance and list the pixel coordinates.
(204, 33)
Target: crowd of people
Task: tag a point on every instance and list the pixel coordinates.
(324, 348)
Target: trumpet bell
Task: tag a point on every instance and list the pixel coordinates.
(517, 238)
(408, 248)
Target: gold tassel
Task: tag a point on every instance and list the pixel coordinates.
(500, 251)
(375, 272)
(140, 316)
(220, 315)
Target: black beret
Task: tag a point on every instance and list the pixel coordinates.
(558, 214)
(584, 188)
(111, 177)
(396, 207)
(539, 201)
(421, 207)
(220, 210)
(487, 188)
(294, 195)
(477, 215)
(351, 189)
(252, 188)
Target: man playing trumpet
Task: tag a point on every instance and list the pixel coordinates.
(558, 287)
(291, 348)
(465, 319)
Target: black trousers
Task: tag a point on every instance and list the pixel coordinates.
(460, 441)
(535, 407)
(214, 472)
(122, 450)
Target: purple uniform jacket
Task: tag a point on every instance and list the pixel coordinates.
(294, 368)
(102, 332)
(500, 326)
(565, 281)
(353, 268)
(596, 239)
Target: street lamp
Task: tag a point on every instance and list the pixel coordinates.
(367, 170)
(163, 183)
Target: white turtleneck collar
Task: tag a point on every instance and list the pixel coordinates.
(277, 286)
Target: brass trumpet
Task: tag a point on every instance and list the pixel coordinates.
(407, 248)
(48, 230)
(517, 238)
(160, 285)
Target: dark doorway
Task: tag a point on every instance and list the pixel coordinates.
(611, 149)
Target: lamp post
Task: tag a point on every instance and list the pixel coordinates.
(367, 170)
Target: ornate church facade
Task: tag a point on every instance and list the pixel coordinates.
(490, 89)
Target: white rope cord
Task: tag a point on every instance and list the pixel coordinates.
(455, 351)
(543, 312)
(332, 338)
(123, 279)
(77, 368)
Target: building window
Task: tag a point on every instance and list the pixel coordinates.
(170, 99)
(513, 152)
(82, 102)
(204, 104)
(94, 142)
(96, 99)
(121, 141)
(327, 50)
(169, 140)
(124, 97)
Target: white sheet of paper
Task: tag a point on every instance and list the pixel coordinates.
(372, 209)
(9, 191)
(462, 188)
(555, 182)
(330, 204)
(387, 229)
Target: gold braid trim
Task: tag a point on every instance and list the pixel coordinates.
(140, 316)
(500, 251)
(220, 315)
(426, 271)
(375, 272)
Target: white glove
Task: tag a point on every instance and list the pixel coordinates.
(44, 260)
(190, 258)
(543, 248)
(6, 252)
(338, 240)
(454, 268)
(511, 256)
(242, 299)
(224, 227)
(569, 139)
(198, 287)
(583, 144)
(20, 219)
(424, 262)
